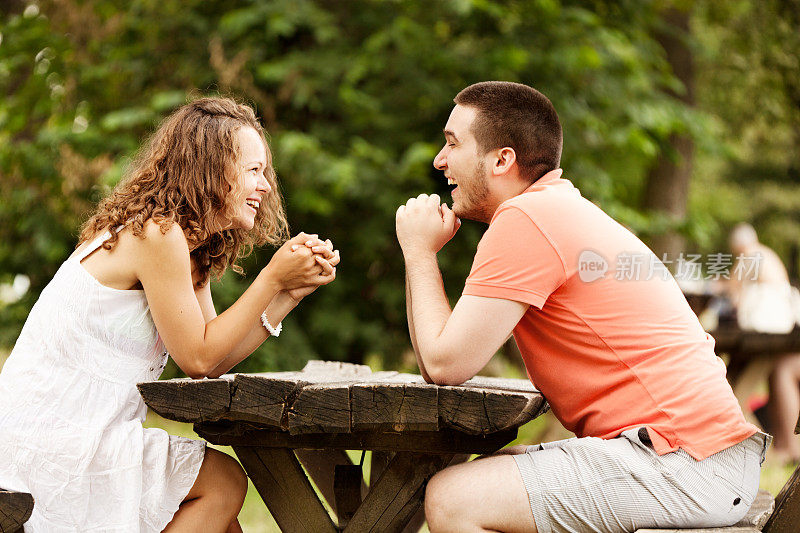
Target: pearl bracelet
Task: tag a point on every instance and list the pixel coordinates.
(276, 331)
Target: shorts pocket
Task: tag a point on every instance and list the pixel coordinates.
(729, 467)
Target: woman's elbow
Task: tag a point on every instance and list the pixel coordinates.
(195, 367)
(197, 371)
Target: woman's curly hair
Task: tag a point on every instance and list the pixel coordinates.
(187, 173)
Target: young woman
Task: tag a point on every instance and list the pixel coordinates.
(200, 194)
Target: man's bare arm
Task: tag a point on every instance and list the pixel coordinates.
(451, 346)
(412, 334)
(455, 345)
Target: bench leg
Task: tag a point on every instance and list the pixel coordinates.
(786, 517)
(15, 510)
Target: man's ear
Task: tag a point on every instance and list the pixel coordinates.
(504, 160)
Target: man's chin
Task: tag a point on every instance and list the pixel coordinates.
(465, 213)
(461, 212)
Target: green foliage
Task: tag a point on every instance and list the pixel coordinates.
(749, 62)
(354, 95)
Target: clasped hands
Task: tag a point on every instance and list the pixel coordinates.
(424, 225)
(304, 263)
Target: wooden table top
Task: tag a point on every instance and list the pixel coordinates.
(341, 398)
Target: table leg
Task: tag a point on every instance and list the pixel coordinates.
(747, 378)
(397, 494)
(321, 466)
(380, 460)
(285, 489)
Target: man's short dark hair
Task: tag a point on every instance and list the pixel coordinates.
(517, 116)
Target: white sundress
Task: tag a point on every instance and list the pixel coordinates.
(71, 417)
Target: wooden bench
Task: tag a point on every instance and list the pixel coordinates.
(785, 518)
(15, 509)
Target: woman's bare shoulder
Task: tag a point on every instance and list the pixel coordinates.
(153, 235)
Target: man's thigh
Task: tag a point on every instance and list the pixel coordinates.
(485, 493)
(621, 485)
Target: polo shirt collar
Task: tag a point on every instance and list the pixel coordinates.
(547, 179)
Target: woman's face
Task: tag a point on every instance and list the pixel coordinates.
(252, 185)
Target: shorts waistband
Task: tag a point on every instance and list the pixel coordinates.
(757, 442)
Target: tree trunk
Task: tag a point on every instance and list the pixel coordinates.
(667, 188)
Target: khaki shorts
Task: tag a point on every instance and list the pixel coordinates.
(622, 484)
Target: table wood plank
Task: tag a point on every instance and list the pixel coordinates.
(337, 367)
(188, 400)
(284, 487)
(323, 408)
(395, 407)
(262, 399)
(479, 411)
(397, 494)
(507, 384)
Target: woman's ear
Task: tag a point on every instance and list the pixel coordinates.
(505, 158)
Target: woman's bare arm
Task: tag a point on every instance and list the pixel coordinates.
(163, 266)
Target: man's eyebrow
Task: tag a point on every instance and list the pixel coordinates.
(450, 133)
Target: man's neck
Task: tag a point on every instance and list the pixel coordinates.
(507, 190)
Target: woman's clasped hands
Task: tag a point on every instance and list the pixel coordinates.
(304, 263)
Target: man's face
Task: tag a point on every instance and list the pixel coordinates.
(464, 166)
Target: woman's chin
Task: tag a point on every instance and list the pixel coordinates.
(245, 224)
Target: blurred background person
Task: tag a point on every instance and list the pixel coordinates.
(760, 292)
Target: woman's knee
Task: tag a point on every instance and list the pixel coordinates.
(230, 481)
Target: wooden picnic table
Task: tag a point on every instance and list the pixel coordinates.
(412, 427)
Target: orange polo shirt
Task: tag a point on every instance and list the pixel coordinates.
(609, 338)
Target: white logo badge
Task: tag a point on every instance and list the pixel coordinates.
(591, 266)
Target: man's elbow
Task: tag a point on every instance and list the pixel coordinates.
(444, 375)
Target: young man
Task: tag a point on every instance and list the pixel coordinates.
(621, 359)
